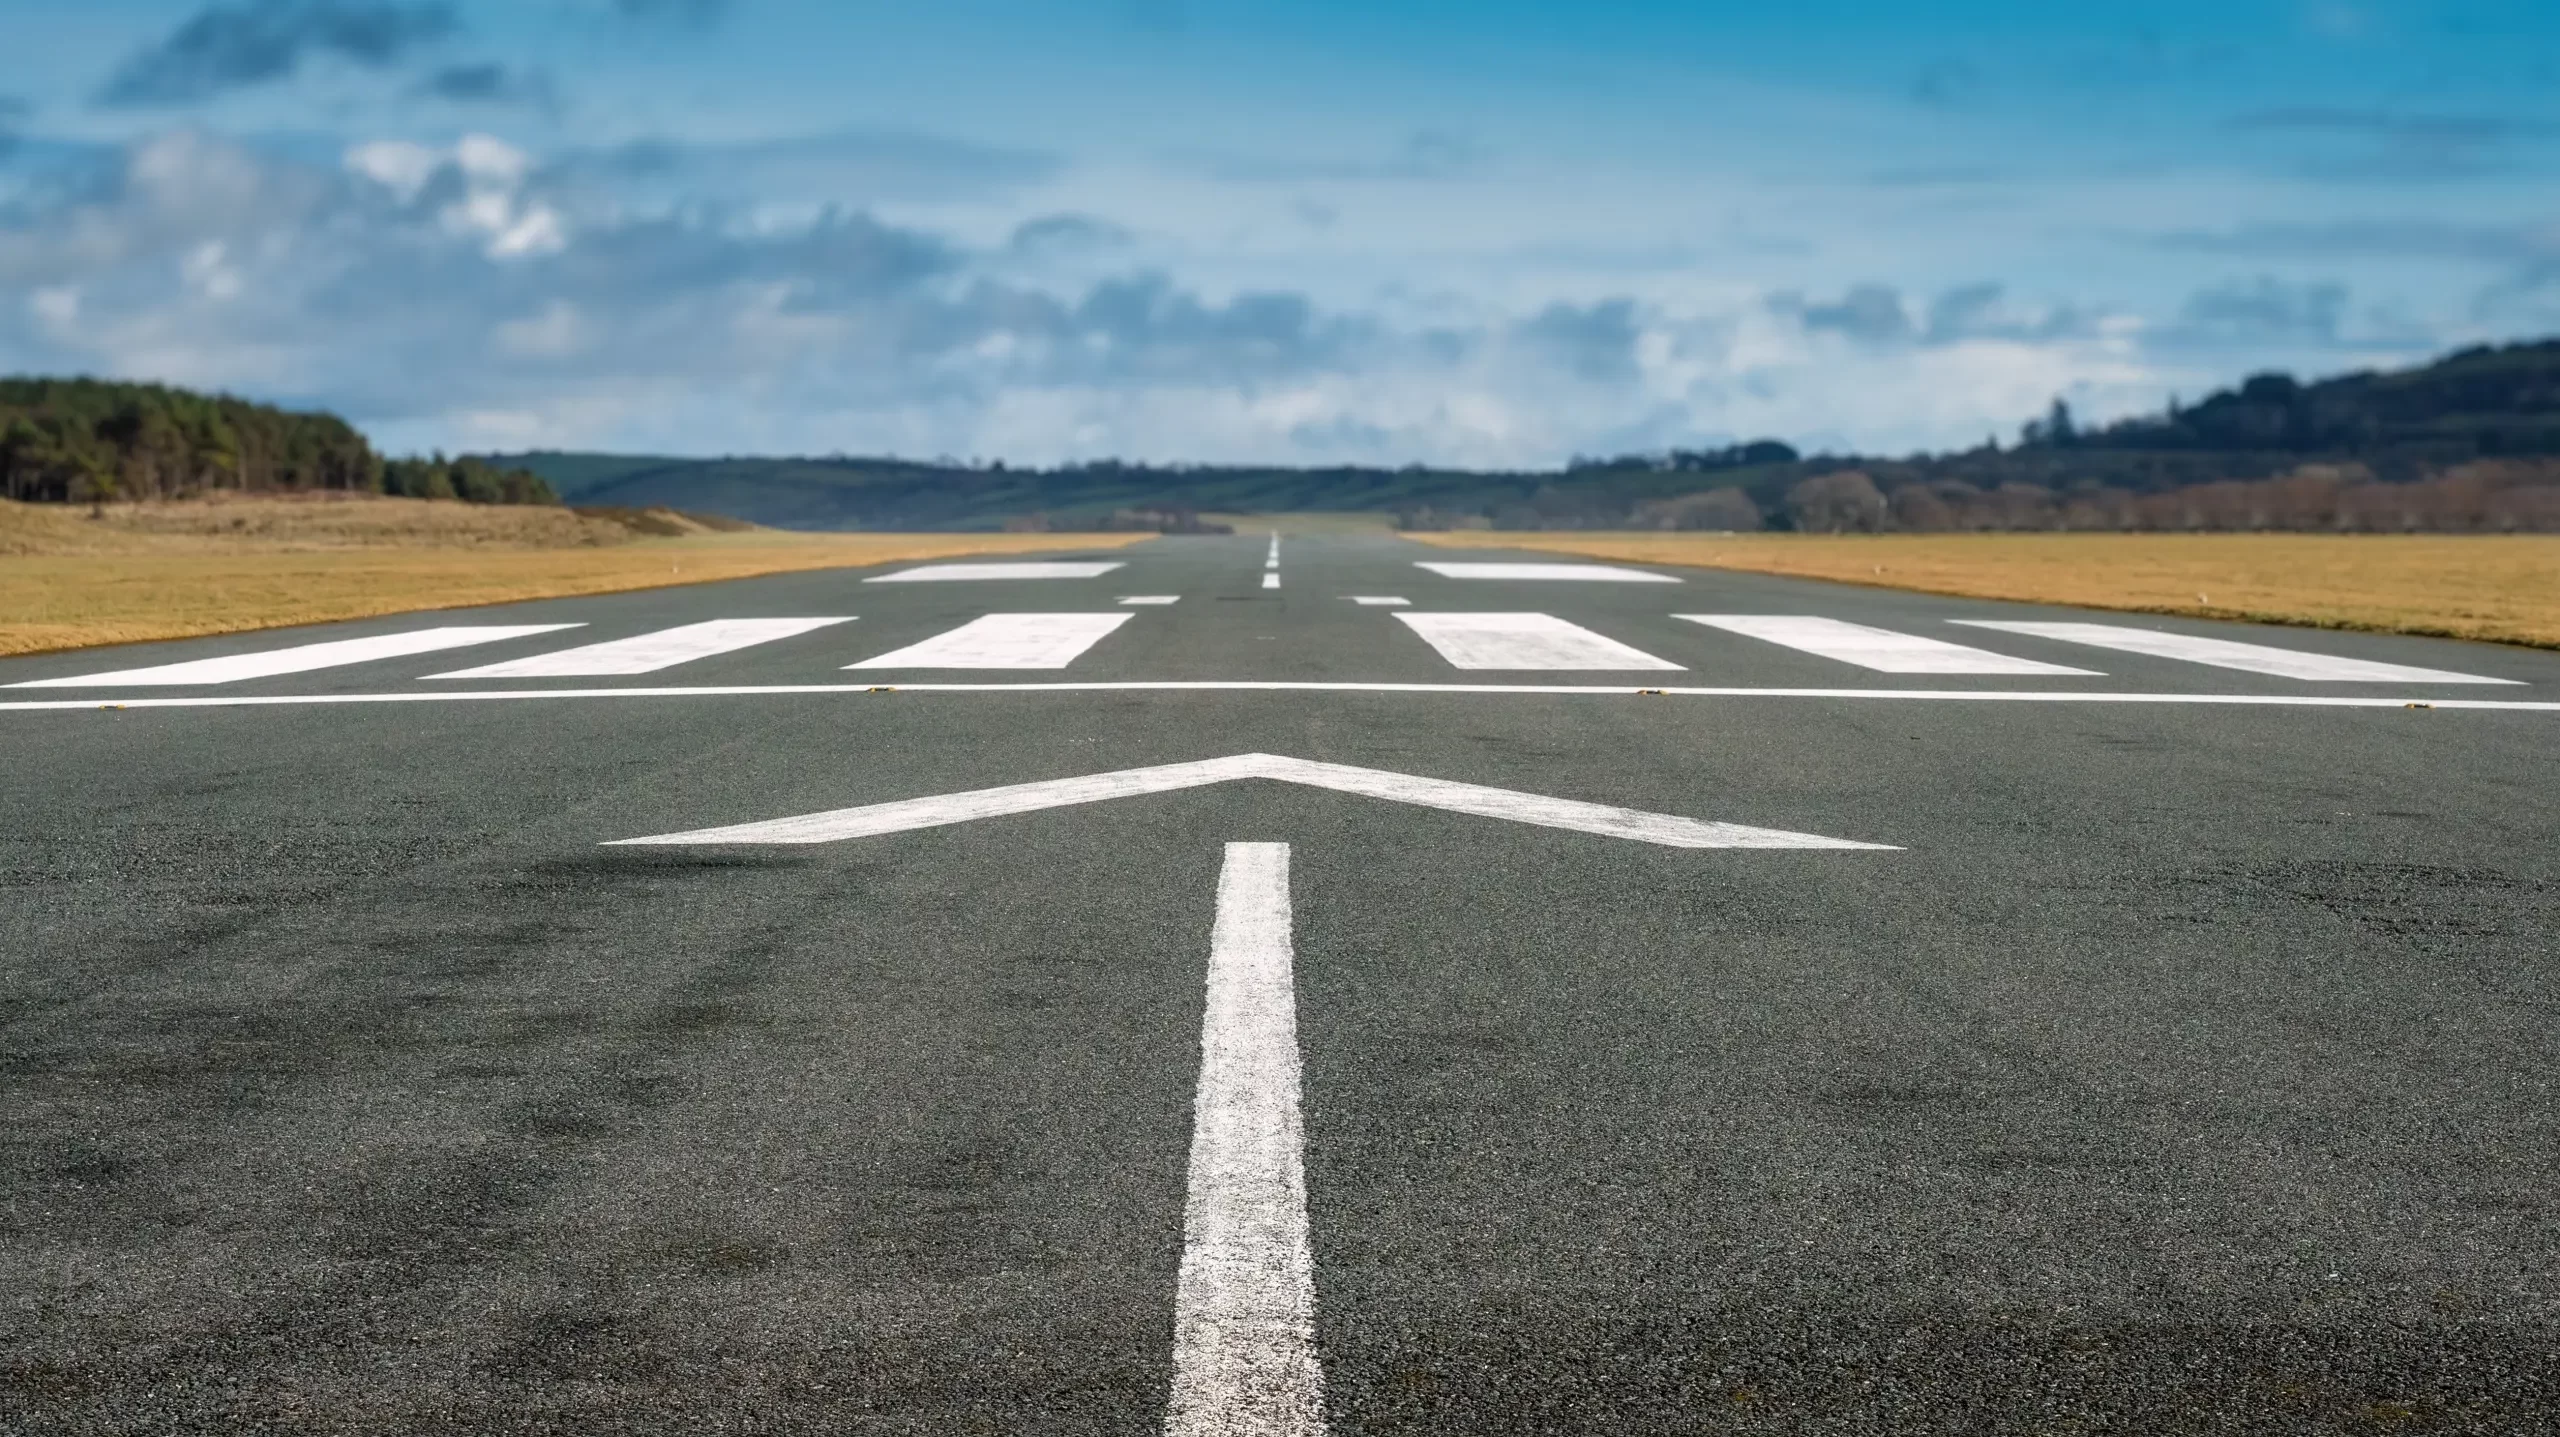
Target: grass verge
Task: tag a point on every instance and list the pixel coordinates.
(2500, 587)
(158, 572)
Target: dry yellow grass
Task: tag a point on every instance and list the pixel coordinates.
(179, 570)
(2502, 587)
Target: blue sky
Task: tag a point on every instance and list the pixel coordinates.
(1497, 233)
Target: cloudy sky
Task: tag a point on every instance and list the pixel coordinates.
(1495, 232)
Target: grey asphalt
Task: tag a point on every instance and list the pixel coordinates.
(2189, 1068)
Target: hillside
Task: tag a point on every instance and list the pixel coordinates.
(89, 441)
(2273, 452)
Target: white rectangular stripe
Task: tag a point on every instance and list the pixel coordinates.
(1380, 601)
(302, 658)
(1271, 581)
(946, 573)
(1244, 1306)
(1882, 650)
(1598, 573)
(1005, 641)
(648, 653)
(2232, 654)
(1524, 641)
(1150, 600)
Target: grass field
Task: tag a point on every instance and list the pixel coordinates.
(166, 571)
(2501, 587)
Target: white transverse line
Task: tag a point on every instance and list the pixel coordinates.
(1601, 573)
(1289, 686)
(1244, 1307)
(302, 658)
(1004, 641)
(1055, 569)
(1271, 580)
(901, 815)
(1150, 599)
(1524, 641)
(648, 653)
(1380, 601)
(1880, 649)
(2231, 654)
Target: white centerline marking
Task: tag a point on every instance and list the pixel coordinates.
(1271, 581)
(1597, 573)
(1005, 641)
(1380, 601)
(1244, 1307)
(648, 653)
(1289, 686)
(1524, 641)
(2231, 654)
(964, 573)
(1882, 650)
(1272, 559)
(300, 659)
(901, 815)
(1150, 599)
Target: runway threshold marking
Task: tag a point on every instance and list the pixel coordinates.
(301, 658)
(1882, 650)
(900, 815)
(966, 573)
(648, 653)
(2231, 654)
(96, 702)
(1004, 641)
(1380, 601)
(1591, 573)
(1150, 600)
(1525, 641)
(1244, 1309)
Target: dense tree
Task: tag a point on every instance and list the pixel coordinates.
(88, 441)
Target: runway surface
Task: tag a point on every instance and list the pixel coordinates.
(1227, 987)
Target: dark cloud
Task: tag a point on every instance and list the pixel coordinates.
(234, 47)
(1945, 83)
(2267, 308)
(1596, 342)
(2346, 143)
(1424, 155)
(689, 12)
(1869, 313)
(1069, 234)
(850, 167)
(489, 83)
(2364, 239)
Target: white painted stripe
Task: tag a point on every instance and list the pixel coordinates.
(2231, 654)
(1380, 601)
(648, 653)
(1244, 1306)
(300, 659)
(899, 816)
(1883, 650)
(1271, 581)
(963, 573)
(1524, 641)
(1272, 559)
(1597, 573)
(1150, 599)
(1005, 641)
(1293, 686)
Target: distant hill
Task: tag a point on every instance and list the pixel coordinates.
(2491, 413)
(88, 441)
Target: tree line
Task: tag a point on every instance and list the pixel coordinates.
(90, 441)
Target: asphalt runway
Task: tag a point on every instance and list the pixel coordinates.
(1797, 1043)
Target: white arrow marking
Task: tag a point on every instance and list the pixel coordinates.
(904, 814)
(1244, 1307)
